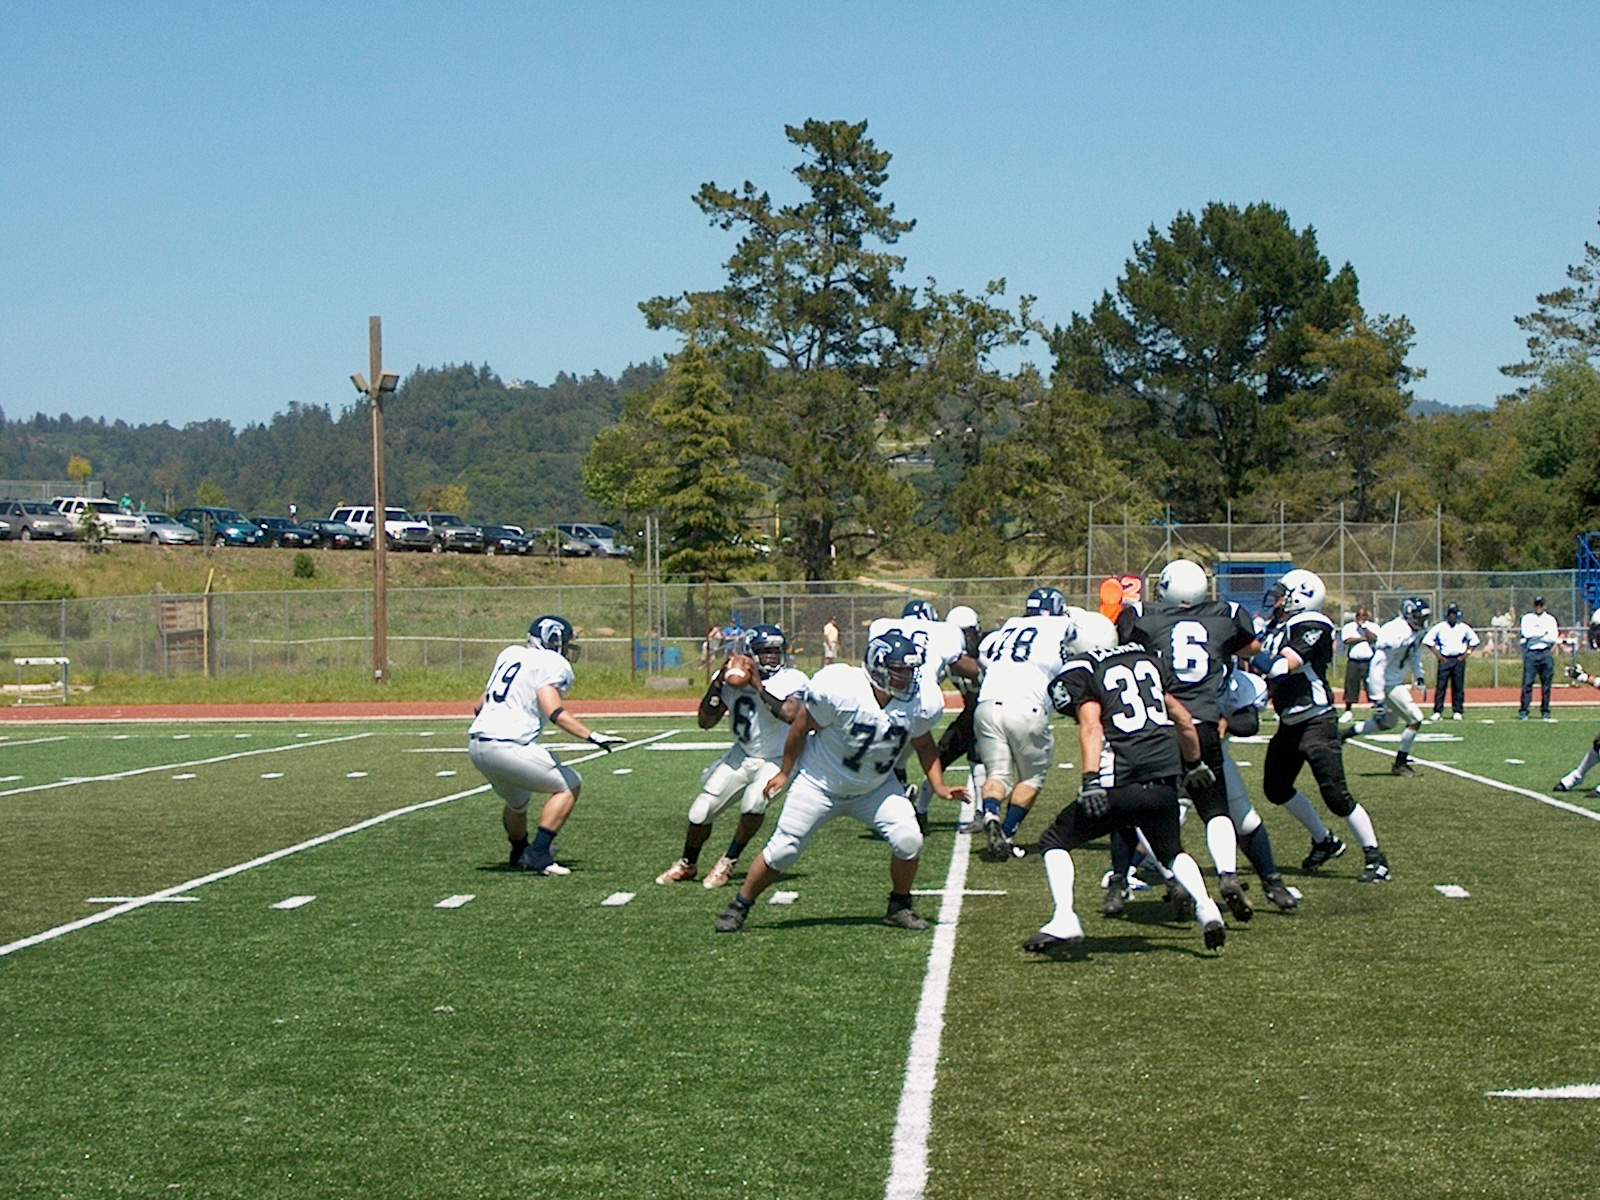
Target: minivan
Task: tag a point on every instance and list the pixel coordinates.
(601, 539)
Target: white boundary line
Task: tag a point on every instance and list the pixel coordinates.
(60, 737)
(274, 856)
(908, 1165)
(1488, 782)
(197, 762)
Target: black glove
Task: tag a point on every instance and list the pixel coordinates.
(1197, 777)
(1094, 801)
(606, 741)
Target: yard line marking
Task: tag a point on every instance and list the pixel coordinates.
(623, 771)
(198, 762)
(1517, 762)
(966, 892)
(1572, 1091)
(185, 775)
(695, 746)
(241, 735)
(294, 902)
(1452, 891)
(1483, 779)
(356, 775)
(120, 737)
(274, 856)
(34, 741)
(444, 774)
(9, 778)
(153, 900)
(181, 737)
(784, 897)
(455, 901)
(272, 775)
(908, 1167)
(617, 899)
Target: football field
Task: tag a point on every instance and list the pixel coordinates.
(287, 960)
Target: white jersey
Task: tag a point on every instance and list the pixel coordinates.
(758, 732)
(857, 742)
(941, 644)
(1397, 656)
(511, 710)
(1021, 658)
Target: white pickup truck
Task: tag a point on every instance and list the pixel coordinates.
(123, 526)
(401, 529)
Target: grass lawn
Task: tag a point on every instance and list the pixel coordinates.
(534, 1042)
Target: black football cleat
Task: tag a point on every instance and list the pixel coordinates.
(904, 918)
(1181, 903)
(1377, 868)
(732, 919)
(999, 844)
(1215, 933)
(1278, 893)
(1233, 896)
(1052, 946)
(1116, 901)
(1323, 852)
(1402, 768)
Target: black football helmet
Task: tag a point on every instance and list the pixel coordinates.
(766, 644)
(553, 633)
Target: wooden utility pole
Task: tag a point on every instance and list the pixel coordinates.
(381, 385)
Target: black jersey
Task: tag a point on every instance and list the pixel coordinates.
(1196, 642)
(1302, 694)
(1130, 685)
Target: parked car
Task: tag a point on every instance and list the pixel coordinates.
(224, 526)
(32, 520)
(5, 529)
(336, 535)
(115, 524)
(166, 531)
(557, 544)
(401, 530)
(601, 539)
(284, 533)
(450, 532)
(503, 539)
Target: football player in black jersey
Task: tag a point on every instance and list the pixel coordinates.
(1137, 740)
(1300, 652)
(957, 739)
(1198, 638)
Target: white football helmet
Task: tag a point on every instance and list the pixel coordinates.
(1183, 582)
(962, 617)
(1090, 631)
(1303, 592)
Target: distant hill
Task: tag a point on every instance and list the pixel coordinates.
(1432, 408)
(517, 450)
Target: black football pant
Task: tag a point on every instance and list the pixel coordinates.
(1452, 674)
(959, 737)
(1151, 806)
(1313, 743)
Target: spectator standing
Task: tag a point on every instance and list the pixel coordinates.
(1358, 637)
(1539, 634)
(1453, 641)
(830, 642)
(126, 504)
(294, 513)
(1594, 630)
(714, 640)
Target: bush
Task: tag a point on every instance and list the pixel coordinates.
(304, 568)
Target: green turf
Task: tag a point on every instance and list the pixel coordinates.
(534, 1043)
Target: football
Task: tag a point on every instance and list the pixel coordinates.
(739, 671)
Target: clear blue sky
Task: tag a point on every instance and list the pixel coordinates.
(201, 204)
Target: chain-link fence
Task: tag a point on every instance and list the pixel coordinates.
(652, 628)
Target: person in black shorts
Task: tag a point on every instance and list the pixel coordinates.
(1198, 638)
(958, 740)
(1299, 652)
(1137, 740)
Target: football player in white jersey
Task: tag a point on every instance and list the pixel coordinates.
(760, 710)
(857, 725)
(524, 692)
(1396, 661)
(958, 738)
(1012, 725)
(943, 645)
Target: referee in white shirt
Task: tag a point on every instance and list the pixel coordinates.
(1358, 637)
(1452, 640)
(1539, 637)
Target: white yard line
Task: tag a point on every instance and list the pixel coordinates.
(274, 856)
(197, 762)
(60, 737)
(1483, 779)
(908, 1166)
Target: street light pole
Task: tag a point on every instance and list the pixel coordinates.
(382, 385)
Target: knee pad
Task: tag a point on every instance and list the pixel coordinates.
(905, 840)
(702, 809)
(1251, 822)
(782, 849)
(1341, 804)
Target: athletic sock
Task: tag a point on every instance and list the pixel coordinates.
(1223, 844)
(739, 902)
(1299, 807)
(924, 797)
(991, 806)
(1400, 758)
(1257, 847)
(1407, 740)
(899, 900)
(735, 848)
(1015, 814)
(1058, 872)
(1123, 848)
(518, 845)
(1361, 827)
(542, 840)
(691, 854)
(1187, 873)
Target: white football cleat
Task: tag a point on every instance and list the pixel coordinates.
(721, 874)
